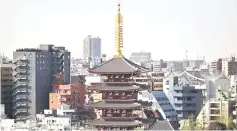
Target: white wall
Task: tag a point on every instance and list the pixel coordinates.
(94, 79)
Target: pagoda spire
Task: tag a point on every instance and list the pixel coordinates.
(119, 33)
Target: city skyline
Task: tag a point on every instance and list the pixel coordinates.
(196, 26)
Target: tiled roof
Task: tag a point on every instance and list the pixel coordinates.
(161, 125)
(102, 122)
(118, 65)
(112, 105)
(117, 87)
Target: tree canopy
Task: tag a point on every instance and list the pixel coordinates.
(216, 126)
(192, 124)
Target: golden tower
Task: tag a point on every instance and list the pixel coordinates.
(119, 33)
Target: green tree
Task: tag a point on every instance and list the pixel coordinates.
(216, 126)
(230, 125)
(192, 124)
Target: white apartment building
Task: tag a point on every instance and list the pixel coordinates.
(7, 124)
(158, 66)
(93, 79)
(140, 57)
(56, 123)
(214, 110)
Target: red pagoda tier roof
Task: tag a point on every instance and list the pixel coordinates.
(120, 100)
(116, 87)
(114, 105)
(120, 118)
(102, 122)
(118, 66)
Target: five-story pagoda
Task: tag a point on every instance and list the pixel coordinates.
(119, 92)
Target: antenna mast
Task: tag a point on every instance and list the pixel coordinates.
(119, 33)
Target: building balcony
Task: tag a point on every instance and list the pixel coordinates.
(20, 97)
(20, 59)
(183, 94)
(20, 78)
(22, 65)
(21, 71)
(234, 121)
(60, 61)
(184, 102)
(20, 84)
(19, 91)
(20, 111)
(185, 108)
(21, 118)
(60, 55)
(20, 104)
(234, 112)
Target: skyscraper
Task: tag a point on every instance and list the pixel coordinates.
(92, 47)
(33, 73)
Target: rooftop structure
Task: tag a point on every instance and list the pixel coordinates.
(119, 92)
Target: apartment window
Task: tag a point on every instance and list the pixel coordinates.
(30, 55)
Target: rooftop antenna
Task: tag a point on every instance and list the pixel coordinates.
(119, 33)
(186, 55)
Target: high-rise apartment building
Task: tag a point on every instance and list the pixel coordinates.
(6, 87)
(184, 97)
(33, 77)
(92, 47)
(140, 57)
(216, 66)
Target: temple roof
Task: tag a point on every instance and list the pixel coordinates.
(113, 105)
(105, 87)
(118, 66)
(102, 122)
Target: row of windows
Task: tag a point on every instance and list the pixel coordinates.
(42, 56)
(161, 98)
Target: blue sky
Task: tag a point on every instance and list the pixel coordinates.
(164, 27)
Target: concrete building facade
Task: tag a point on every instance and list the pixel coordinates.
(185, 99)
(229, 66)
(73, 95)
(216, 111)
(6, 87)
(33, 77)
